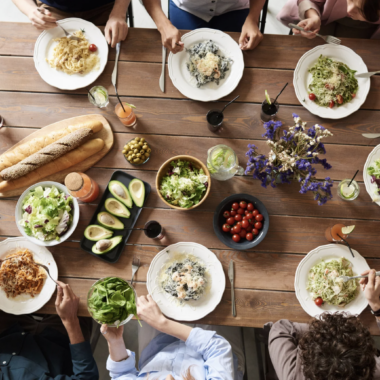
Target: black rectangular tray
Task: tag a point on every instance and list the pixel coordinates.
(113, 255)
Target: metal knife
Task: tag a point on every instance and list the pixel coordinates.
(162, 77)
(231, 276)
(371, 135)
(114, 73)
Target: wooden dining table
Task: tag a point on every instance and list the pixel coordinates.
(174, 125)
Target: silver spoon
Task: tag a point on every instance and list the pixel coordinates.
(347, 278)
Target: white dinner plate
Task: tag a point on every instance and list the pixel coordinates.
(186, 84)
(24, 303)
(327, 253)
(44, 49)
(302, 79)
(369, 186)
(189, 310)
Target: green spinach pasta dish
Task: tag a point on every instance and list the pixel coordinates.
(324, 283)
(333, 83)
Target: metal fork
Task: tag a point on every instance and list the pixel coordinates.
(366, 75)
(135, 267)
(347, 278)
(40, 265)
(329, 39)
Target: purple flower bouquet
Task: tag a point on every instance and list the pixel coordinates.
(291, 157)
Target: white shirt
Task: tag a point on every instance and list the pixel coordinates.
(207, 9)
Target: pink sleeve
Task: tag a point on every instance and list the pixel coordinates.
(304, 5)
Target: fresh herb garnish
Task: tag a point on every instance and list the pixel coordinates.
(112, 301)
(83, 31)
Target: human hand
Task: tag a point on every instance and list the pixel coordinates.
(312, 23)
(171, 38)
(116, 30)
(42, 19)
(250, 35)
(66, 304)
(148, 311)
(371, 288)
(112, 334)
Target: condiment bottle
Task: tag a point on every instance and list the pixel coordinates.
(82, 187)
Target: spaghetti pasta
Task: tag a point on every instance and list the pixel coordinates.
(21, 275)
(74, 57)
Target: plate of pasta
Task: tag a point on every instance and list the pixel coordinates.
(70, 64)
(186, 280)
(24, 286)
(325, 83)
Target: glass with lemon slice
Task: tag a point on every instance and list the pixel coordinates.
(269, 108)
(98, 96)
(347, 191)
(338, 232)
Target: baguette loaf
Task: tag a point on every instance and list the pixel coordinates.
(22, 151)
(47, 154)
(69, 159)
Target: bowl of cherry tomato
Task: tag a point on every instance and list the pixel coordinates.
(241, 221)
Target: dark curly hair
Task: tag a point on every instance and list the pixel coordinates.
(370, 10)
(337, 347)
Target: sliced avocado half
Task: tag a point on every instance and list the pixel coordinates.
(94, 232)
(120, 192)
(115, 207)
(105, 245)
(137, 191)
(109, 221)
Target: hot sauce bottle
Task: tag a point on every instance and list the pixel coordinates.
(82, 187)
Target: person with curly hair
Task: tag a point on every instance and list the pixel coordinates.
(331, 347)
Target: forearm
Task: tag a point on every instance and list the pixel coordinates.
(178, 330)
(117, 350)
(155, 11)
(74, 331)
(120, 8)
(25, 6)
(255, 7)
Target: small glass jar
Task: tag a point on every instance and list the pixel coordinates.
(98, 96)
(126, 114)
(269, 111)
(82, 187)
(132, 163)
(154, 230)
(348, 193)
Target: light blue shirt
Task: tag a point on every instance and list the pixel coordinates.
(208, 355)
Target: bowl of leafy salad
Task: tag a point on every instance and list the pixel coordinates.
(112, 301)
(46, 213)
(183, 182)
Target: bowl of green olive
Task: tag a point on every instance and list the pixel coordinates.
(137, 151)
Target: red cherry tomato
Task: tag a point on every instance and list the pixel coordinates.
(238, 217)
(312, 96)
(236, 238)
(339, 99)
(237, 229)
(329, 86)
(235, 206)
(250, 207)
(318, 301)
(230, 221)
(226, 214)
(245, 223)
(249, 236)
(255, 212)
(240, 211)
(353, 95)
(259, 218)
(239, 224)
(255, 231)
(249, 228)
(249, 216)
(232, 231)
(246, 212)
(258, 225)
(244, 218)
(226, 227)
(332, 104)
(92, 48)
(243, 204)
(243, 233)
(233, 212)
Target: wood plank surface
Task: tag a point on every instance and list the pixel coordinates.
(144, 45)
(342, 158)
(254, 308)
(286, 234)
(135, 79)
(173, 117)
